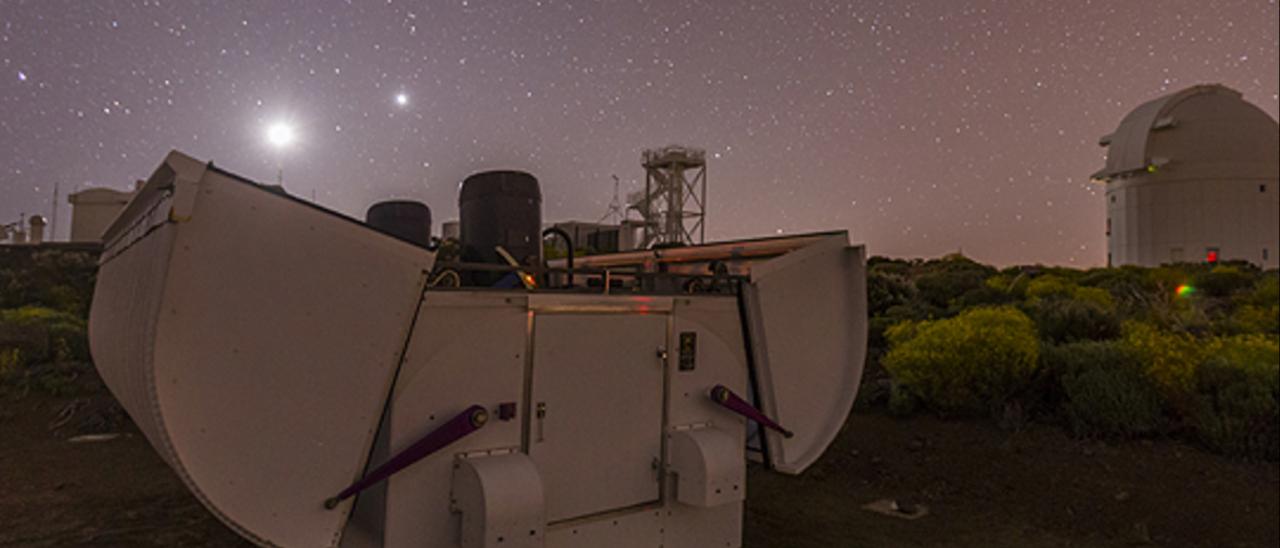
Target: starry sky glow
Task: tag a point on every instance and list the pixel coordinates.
(923, 127)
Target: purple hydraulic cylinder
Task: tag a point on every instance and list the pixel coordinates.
(732, 402)
(455, 429)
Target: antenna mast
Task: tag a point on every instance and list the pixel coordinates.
(615, 214)
(53, 218)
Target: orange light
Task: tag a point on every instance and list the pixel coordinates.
(529, 282)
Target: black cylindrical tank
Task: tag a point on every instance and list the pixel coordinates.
(500, 208)
(404, 219)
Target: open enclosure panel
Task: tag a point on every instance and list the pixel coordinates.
(253, 339)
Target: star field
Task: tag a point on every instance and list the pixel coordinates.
(922, 127)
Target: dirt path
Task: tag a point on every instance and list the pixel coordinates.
(983, 487)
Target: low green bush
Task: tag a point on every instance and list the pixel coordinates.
(1104, 389)
(1223, 281)
(1168, 358)
(10, 364)
(1238, 388)
(1065, 319)
(43, 334)
(968, 364)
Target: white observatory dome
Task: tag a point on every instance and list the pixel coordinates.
(1191, 177)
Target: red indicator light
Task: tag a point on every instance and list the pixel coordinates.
(1211, 255)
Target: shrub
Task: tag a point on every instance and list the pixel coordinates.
(886, 289)
(967, 364)
(946, 279)
(1062, 320)
(1104, 390)
(1238, 411)
(46, 277)
(984, 295)
(1127, 285)
(1168, 358)
(1222, 281)
(1257, 311)
(10, 363)
(1267, 289)
(44, 334)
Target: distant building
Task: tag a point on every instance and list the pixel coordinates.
(92, 211)
(597, 237)
(450, 229)
(35, 236)
(1192, 177)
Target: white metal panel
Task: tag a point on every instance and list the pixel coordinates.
(693, 527)
(720, 359)
(596, 428)
(809, 329)
(640, 529)
(468, 348)
(253, 338)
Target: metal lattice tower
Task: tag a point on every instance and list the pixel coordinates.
(673, 205)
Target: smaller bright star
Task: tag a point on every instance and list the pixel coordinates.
(22, 76)
(402, 99)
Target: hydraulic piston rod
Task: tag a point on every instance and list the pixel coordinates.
(733, 402)
(455, 429)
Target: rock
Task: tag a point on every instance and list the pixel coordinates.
(1122, 496)
(916, 444)
(90, 438)
(1139, 535)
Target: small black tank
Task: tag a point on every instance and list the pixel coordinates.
(404, 219)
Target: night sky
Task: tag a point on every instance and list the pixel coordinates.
(922, 127)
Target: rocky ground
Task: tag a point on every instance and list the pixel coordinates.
(981, 486)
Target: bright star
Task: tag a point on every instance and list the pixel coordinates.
(280, 134)
(402, 99)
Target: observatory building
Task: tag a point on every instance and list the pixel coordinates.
(93, 209)
(1192, 177)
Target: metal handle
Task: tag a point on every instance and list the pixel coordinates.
(541, 414)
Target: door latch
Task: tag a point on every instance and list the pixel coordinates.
(541, 413)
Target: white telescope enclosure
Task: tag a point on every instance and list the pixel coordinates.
(312, 387)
